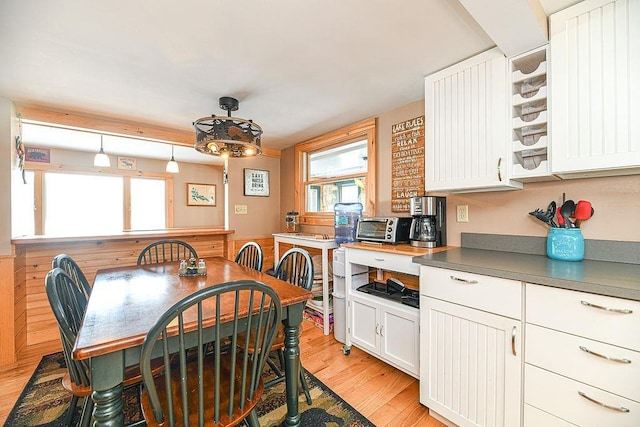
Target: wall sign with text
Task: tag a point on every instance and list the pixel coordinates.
(256, 182)
(407, 162)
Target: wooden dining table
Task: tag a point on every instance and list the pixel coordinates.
(127, 301)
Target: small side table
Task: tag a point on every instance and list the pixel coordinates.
(309, 240)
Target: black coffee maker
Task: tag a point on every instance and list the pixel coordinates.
(429, 224)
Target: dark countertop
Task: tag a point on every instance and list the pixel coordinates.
(614, 279)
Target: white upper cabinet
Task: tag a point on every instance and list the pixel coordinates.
(595, 79)
(466, 110)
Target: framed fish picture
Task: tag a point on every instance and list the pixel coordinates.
(201, 194)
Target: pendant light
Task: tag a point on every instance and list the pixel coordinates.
(101, 159)
(172, 165)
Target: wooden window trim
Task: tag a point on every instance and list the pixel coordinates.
(40, 168)
(365, 129)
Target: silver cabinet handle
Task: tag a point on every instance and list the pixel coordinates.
(459, 279)
(379, 259)
(613, 359)
(381, 329)
(499, 169)
(513, 340)
(604, 405)
(614, 310)
(377, 329)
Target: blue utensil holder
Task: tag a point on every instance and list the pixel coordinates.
(565, 244)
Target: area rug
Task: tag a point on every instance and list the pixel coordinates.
(44, 402)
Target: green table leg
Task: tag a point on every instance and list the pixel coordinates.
(107, 373)
(292, 361)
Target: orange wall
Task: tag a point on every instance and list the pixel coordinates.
(616, 200)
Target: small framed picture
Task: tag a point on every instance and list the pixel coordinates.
(201, 194)
(40, 155)
(127, 163)
(256, 182)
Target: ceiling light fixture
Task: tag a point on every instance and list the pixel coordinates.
(228, 136)
(172, 165)
(101, 159)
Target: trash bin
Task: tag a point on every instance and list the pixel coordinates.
(339, 317)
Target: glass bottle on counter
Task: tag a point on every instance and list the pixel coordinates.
(292, 222)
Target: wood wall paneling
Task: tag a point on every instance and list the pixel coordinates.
(7, 310)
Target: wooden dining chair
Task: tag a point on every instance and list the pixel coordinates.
(68, 302)
(250, 255)
(295, 267)
(220, 388)
(166, 251)
(72, 268)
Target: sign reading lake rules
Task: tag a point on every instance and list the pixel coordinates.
(407, 162)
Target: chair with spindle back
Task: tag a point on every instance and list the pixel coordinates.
(220, 388)
(250, 255)
(166, 251)
(68, 303)
(74, 271)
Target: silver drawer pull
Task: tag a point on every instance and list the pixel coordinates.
(379, 259)
(613, 359)
(459, 279)
(614, 310)
(613, 408)
(513, 340)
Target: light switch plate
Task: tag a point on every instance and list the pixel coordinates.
(240, 209)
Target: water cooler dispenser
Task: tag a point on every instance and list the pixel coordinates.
(346, 221)
(359, 276)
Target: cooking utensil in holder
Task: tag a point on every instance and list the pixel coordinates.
(565, 244)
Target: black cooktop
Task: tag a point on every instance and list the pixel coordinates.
(393, 290)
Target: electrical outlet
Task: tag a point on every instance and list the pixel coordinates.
(240, 209)
(462, 213)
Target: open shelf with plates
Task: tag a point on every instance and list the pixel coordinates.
(529, 115)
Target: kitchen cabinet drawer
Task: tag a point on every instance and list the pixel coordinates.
(383, 260)
(601, 318)
(560, 396)
(534, 417)
(491, 294)
(568, 355)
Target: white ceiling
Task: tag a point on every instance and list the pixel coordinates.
(299, 68)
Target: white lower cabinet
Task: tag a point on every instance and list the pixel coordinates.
(471, 369)
(575, 363)
(534, 417)
(582, 361)
(388, 330)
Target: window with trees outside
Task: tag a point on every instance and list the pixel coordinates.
(76, 203)
(335, 168)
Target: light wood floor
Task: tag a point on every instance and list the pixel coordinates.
(386, 396)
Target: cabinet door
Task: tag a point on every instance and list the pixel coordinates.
(471, 365)
(595, 79)
(466, 128)
(400, 338)
(364, 325)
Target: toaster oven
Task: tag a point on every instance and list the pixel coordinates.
(384, 230)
